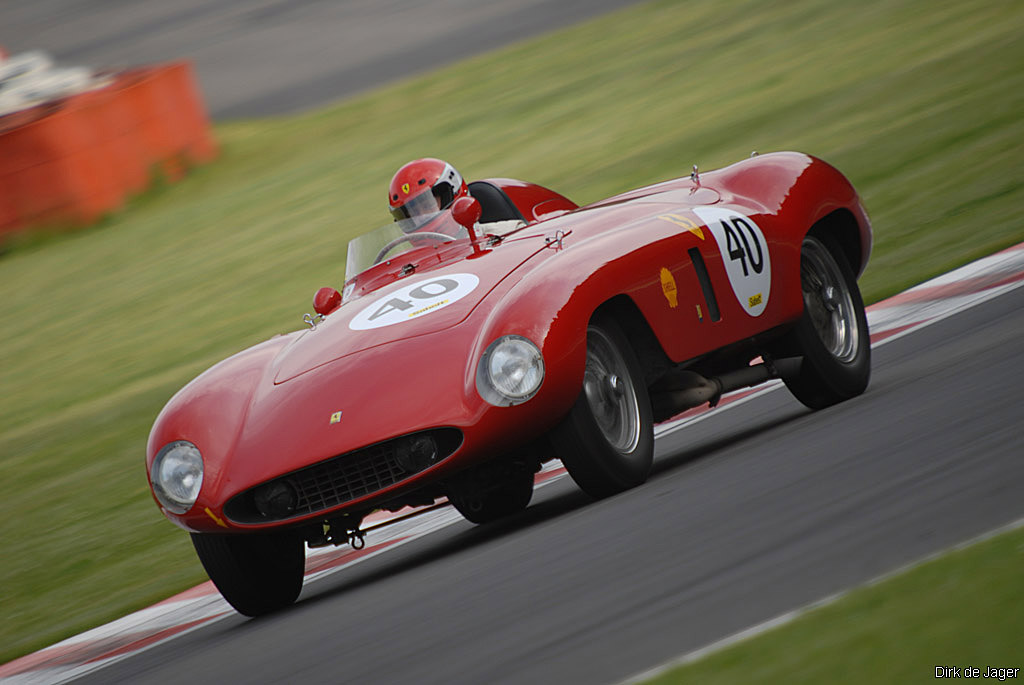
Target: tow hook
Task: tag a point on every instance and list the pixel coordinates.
(346, 529)
(356, 538)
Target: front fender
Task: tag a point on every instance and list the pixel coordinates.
(551, 304)
(210, 411)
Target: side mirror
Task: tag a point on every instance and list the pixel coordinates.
(466, 211)
(326, 301)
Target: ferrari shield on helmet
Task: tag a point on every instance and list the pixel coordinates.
(424, 187)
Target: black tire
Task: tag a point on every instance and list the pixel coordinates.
(606, 442)
(832, 335)
(495, 500)
(256, 573)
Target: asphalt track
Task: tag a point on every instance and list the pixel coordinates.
(750, 513)
(261, 57)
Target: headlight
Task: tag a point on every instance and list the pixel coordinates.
(510, 371)
(177, 475)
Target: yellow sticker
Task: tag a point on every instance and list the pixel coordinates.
(336, 417)
(700, 314)
(216, 520)
(428, 308)
(405, 188)
(754, 300)
(682, 221)
(668, 286)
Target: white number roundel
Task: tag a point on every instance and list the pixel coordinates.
(745, 255)
(414, 300)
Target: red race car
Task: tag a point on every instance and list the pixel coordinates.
(511, 329)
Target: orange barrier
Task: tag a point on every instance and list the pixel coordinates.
(72, 161)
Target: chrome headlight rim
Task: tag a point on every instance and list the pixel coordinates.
(515, 350)
(176, 476)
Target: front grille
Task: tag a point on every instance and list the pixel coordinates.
(341, 479)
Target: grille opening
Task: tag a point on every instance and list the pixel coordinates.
(343, 478)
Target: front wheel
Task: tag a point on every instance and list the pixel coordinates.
(256, 573)
(832, 335)
(607, 440)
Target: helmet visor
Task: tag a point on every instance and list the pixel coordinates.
(422, 205)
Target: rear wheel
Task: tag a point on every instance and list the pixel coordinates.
(607, 440)
(256, 573)
(832, 335)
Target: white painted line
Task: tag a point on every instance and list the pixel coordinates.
(791, 616)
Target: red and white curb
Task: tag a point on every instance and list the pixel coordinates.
(893, 318)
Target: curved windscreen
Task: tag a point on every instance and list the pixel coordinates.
(391, 241)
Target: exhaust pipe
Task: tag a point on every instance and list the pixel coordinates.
(688, 389)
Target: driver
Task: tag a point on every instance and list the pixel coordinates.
(421, 189)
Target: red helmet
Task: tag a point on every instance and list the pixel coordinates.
(424, 187)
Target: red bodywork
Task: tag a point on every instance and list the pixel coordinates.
(271, 409)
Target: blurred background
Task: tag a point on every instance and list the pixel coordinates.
(315, 105)
(260, 57)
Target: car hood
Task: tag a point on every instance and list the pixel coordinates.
(426, 301)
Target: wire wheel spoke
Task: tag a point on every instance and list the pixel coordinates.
(610, 393)
(829, 303)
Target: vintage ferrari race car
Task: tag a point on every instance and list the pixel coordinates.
(513, 328)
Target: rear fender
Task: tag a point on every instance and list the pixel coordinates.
(814, 195)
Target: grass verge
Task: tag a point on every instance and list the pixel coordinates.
(917, 101)
(961, 610)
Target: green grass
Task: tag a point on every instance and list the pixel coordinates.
(963, 609)
(919, 102)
